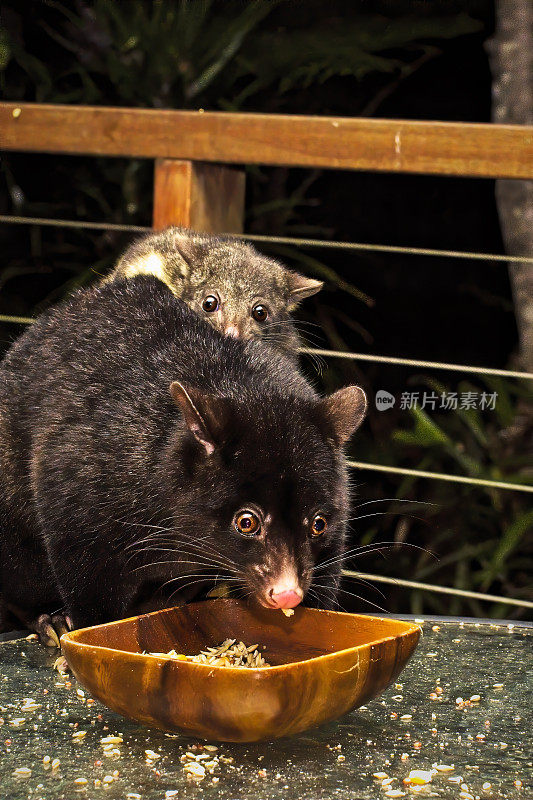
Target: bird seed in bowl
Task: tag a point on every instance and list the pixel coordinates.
(228, 654)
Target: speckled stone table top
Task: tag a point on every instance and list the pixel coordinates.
(462, 712)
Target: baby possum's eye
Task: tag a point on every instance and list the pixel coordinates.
(247, 523)
(260, 313)
(210, 303)
(318, 525)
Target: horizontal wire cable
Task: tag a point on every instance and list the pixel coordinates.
(409, 362)
(17, 320)
(9, 219)
(298, 242)
(429, 587)
(441, 476)
(504, 373)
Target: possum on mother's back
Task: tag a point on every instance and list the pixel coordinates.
(239, 291)
(143, 455)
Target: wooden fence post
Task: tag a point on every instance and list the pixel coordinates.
(205, 197)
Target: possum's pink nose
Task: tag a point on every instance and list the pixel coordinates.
(232, 330)
(289, 598)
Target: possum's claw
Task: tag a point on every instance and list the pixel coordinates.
(49, 629)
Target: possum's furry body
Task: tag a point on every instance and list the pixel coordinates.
(100, 470)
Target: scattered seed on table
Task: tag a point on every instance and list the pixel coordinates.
(419, 777)
(194, 770)
(22, 772)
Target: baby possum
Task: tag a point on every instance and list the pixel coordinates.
(239, 291)
(143, 456)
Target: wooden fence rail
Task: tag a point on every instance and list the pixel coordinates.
(381, 145)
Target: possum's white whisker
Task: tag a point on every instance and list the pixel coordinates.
(364, 599)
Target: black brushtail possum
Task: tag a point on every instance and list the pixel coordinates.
(143, 456)
(241, 292)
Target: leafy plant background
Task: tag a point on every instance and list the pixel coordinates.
(402, 59)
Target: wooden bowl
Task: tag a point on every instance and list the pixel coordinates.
(324, 664)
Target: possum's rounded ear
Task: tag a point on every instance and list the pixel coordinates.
(301, 287)
(205, 415)
(344, 411)
(187, 243)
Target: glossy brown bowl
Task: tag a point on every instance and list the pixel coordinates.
(324, 664)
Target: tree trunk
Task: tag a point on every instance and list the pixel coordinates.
(511, 57)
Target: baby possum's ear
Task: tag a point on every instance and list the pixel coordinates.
(344, 412)
(301, 287)
(205, 415)
(188, 244)
(151, 254)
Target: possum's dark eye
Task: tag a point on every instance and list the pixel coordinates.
(319, 525)
(210, 303)
(247, 523)
(260, 313)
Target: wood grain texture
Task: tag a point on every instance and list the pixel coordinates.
(431, 148)
(205, 197)
(324, 664)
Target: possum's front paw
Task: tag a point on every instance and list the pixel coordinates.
(50, 628)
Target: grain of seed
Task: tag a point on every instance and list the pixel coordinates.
(55, 763)
(22, 772)
(80, 781)
(194, 770)
(153, 756)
